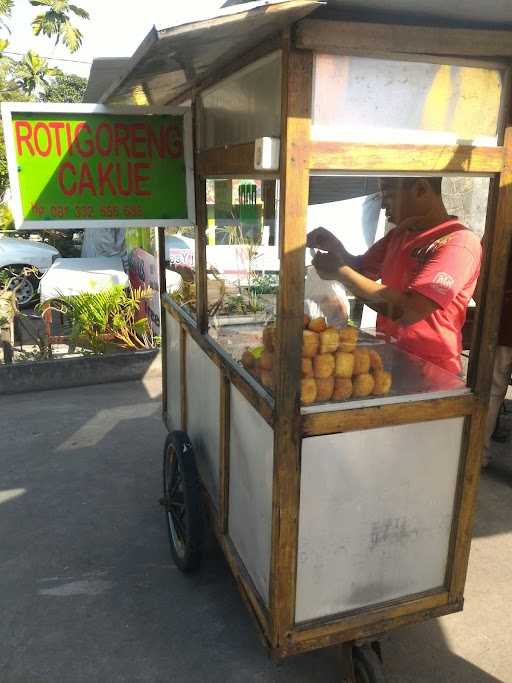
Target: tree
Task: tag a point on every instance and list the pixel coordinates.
(32, 73)
(21, 80)
(64, 88)
(56, 22)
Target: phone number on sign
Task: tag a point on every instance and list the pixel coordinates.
(86, 211)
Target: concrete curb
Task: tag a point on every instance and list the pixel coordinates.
(75, 372)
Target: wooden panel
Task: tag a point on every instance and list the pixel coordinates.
(252, 391)
(183, 377)
(225, 420)
(343, 37)
(331, 156)
(386, 415)
(234, 160)
(370, 624)
(296, 122)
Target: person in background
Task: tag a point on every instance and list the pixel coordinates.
(419, 278)
(502, 366)
(105, 242)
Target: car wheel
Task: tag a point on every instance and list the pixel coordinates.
(23, 283)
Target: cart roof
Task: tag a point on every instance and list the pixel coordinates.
(170, 60)
(483, 13)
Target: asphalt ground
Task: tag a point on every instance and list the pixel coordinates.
(88, 591)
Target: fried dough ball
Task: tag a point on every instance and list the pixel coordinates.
(307, 320)
(361, 361)
(317, 325)
(308, 391)
(383, 382)
(307, 367)
(266, 360)
(323, 365)
(344, 364)
(342, 389)
(348, 338)
(324, 389)
(267, 379)
(310, 342)
(269, 334)
(375, 360)
(247, 359)
(329, 340)
(363, 385)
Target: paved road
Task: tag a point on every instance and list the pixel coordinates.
(88, 591)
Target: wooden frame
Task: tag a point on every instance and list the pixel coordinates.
(351, 37)
(300, 155)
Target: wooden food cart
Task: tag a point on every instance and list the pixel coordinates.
(340, 521)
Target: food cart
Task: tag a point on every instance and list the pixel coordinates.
(340, 520)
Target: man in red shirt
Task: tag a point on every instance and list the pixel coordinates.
(419, 278)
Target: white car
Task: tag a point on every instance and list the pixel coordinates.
(17, 257)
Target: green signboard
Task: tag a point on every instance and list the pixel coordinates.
(92, 166)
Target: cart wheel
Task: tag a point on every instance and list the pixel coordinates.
(182, 501)
(367, 665)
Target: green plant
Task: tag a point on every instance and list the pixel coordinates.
(266, 283)
(64, 88)
(110, 317)
(32, 72)
(55, 21)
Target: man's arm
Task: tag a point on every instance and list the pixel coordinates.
(407, 308)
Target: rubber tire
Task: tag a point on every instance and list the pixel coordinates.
(187, 559)
(367, 665)
(18, 269)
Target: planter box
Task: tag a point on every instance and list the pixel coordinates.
(81, 371)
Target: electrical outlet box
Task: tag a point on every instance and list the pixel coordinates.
(266, 154)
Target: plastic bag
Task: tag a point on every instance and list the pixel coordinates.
(325, 298)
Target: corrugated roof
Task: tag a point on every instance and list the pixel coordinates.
(104, 71)
(170, 60)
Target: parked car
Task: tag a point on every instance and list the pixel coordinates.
(26, 260)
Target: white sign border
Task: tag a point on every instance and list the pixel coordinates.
(8, 108)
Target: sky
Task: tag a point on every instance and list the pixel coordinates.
(115, 29)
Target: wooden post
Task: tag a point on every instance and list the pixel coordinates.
(163, 322)
(499, 247)
(295, 136)
(200, 236)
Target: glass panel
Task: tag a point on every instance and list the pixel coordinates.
(397, 331)
(370, 100)
(243, 266)
(243, 107)
(180, 275)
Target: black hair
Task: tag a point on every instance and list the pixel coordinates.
(433, 181)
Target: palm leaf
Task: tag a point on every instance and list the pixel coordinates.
(79, 11)
(71, 36)
(6, 7)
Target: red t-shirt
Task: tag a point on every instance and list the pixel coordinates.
(441, 263)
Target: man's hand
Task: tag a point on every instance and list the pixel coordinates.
(320, 238)
(327, 265)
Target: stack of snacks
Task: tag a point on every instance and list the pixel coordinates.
(334, 366)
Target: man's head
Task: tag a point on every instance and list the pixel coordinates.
(406, 198)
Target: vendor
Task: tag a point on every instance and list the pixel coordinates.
(420, 277)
